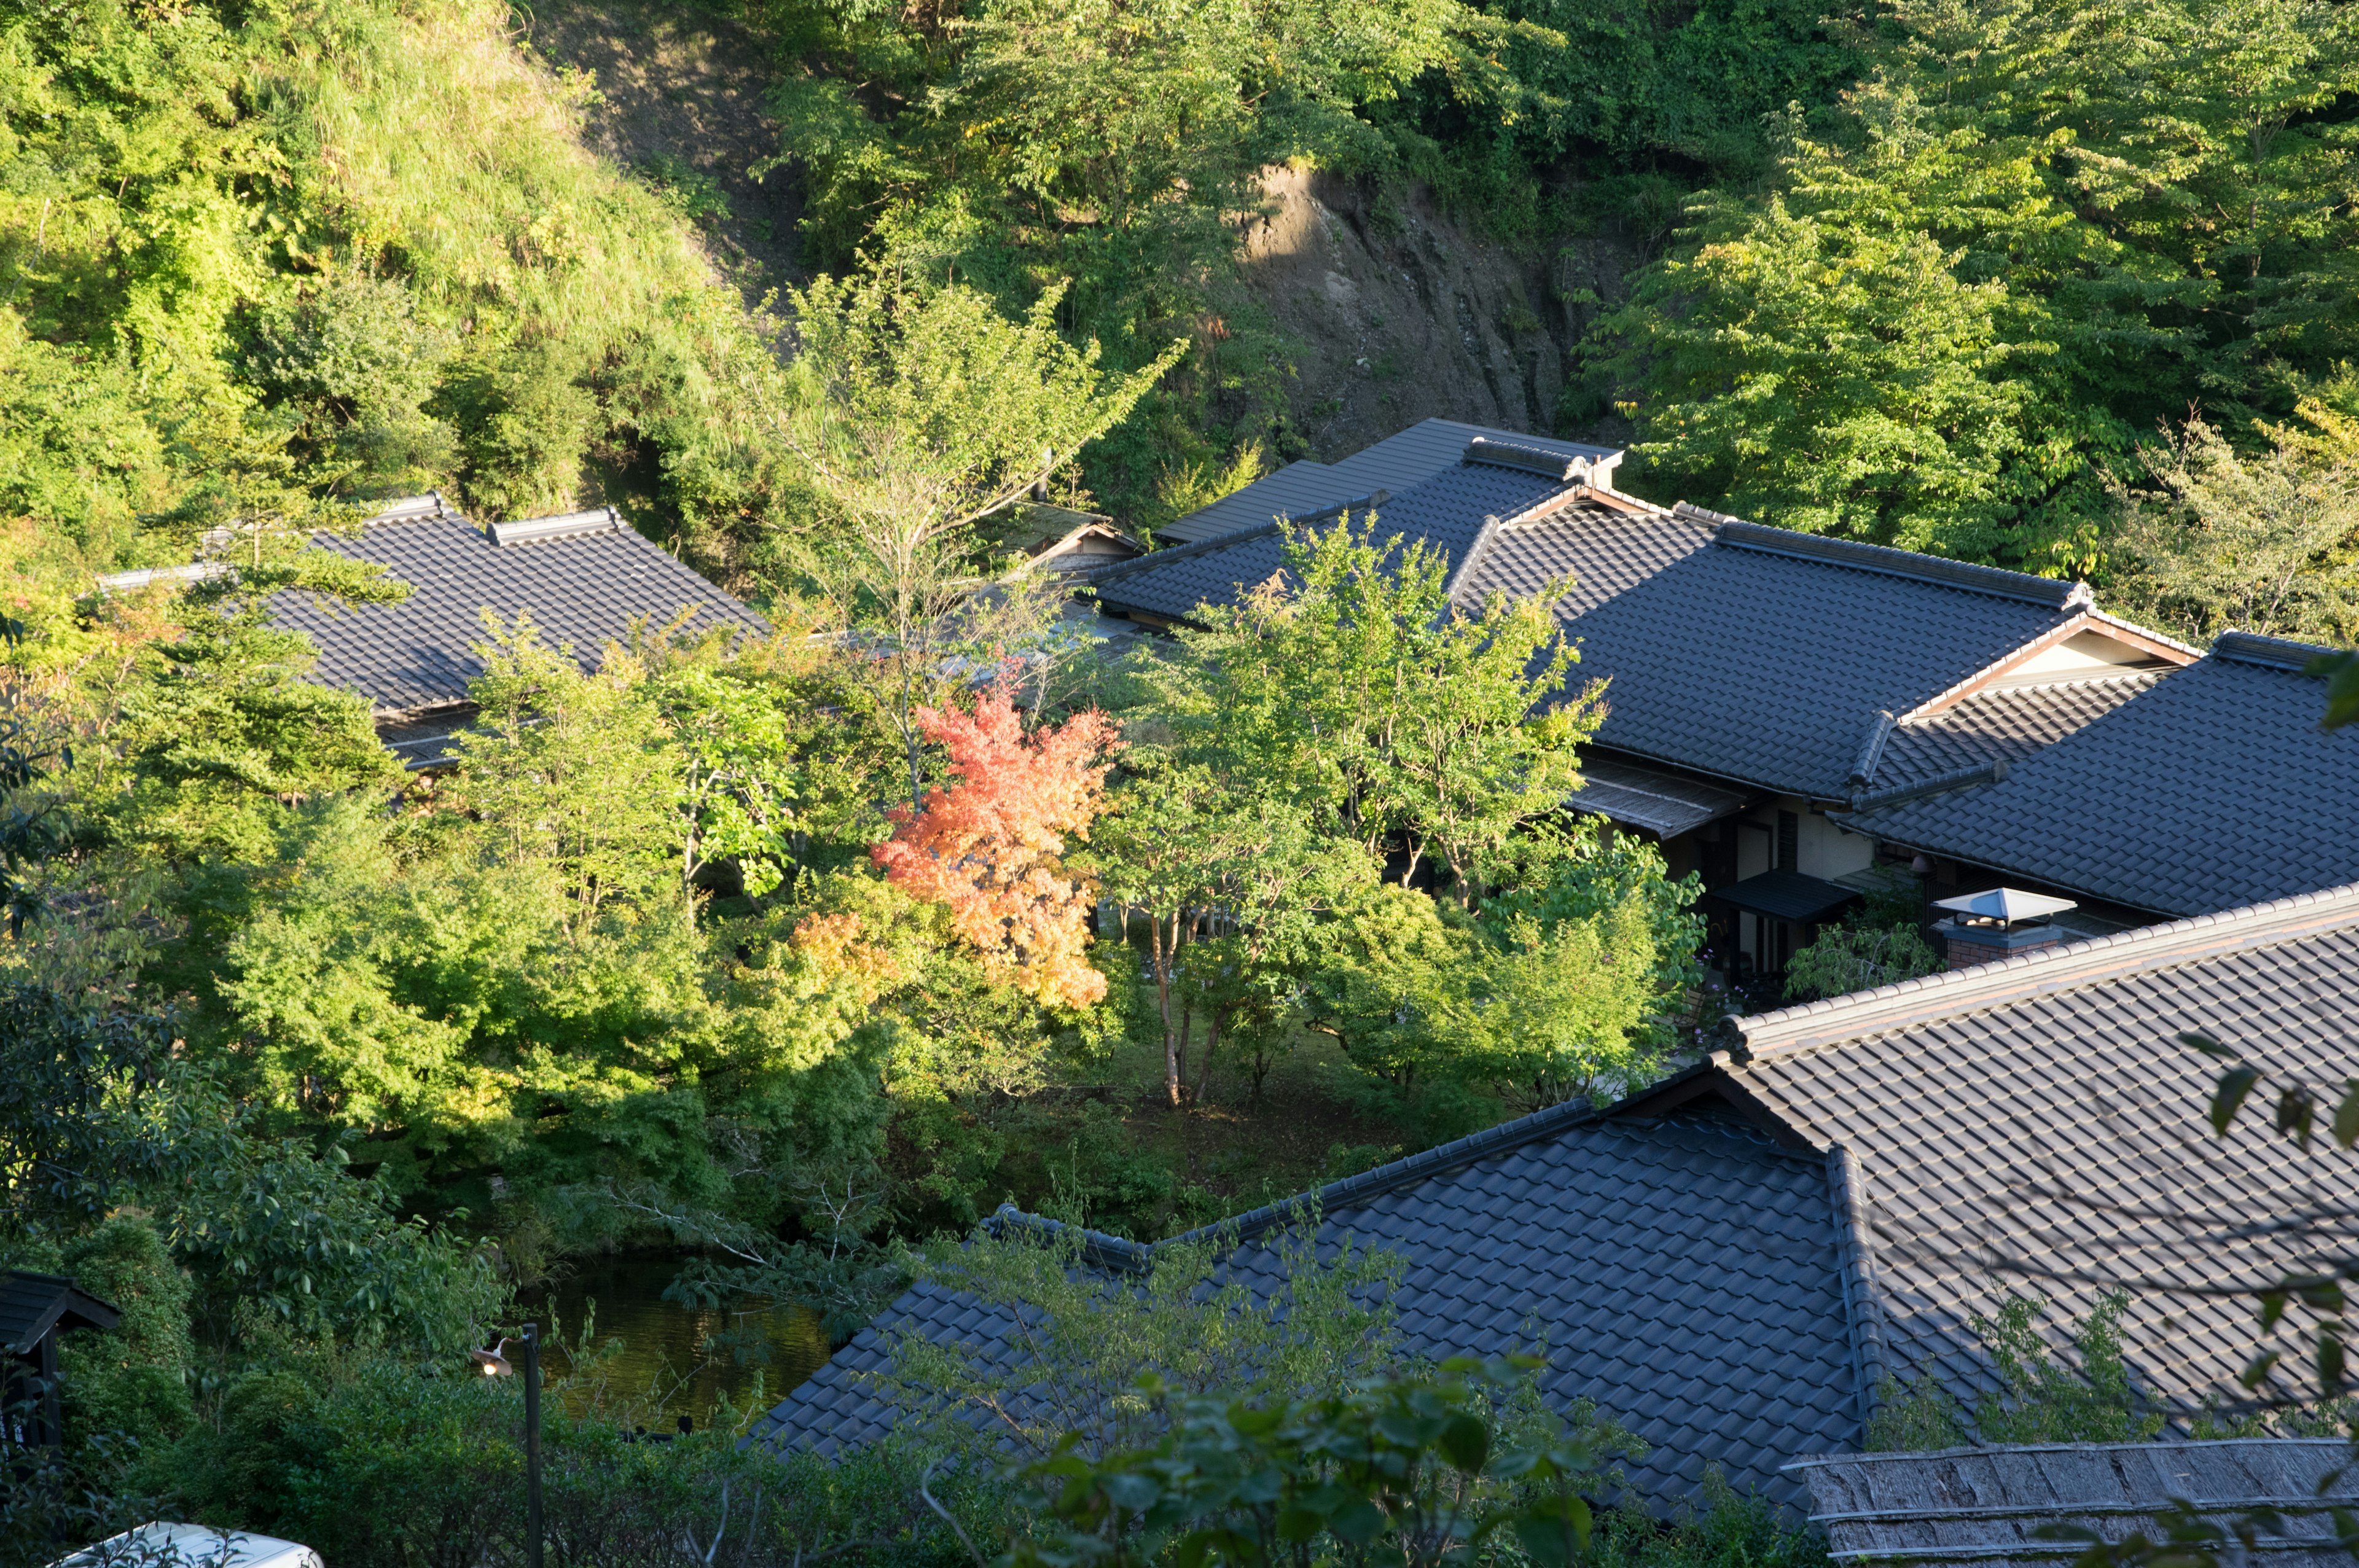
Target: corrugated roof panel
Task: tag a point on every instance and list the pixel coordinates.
(1662, 804)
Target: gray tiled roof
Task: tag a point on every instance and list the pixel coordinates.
(584, 589)
(1747, 652)
(2039, 1112)
(1911, 1145)
(1411, 456)
(1292, 490)
(2214, 788)
(1446, 511)
(2001, 724)
(1662, 804)
(1685, 1274)
(1605, 545)
(1991, 1507)
(1755, 659)
(1400, 461)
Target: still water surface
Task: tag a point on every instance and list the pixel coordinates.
(681, 1358)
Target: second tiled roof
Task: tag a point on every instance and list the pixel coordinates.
(2003, 724)
(2034, 1125)
(2158, 803)
(582, 590)
(1683, 1274)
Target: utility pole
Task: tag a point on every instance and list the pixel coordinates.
(531, 1338)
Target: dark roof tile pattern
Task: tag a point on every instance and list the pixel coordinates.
(2158, 803)
(1411, 456)
(1292, 490)
(1769, 667)
(1682, 1274)
(1398, 463)
(1743, 651)
(1446, 511)
(583, 591)
(1605, 546)
(2039, 1114)
(2001, 724)
(840, 1406)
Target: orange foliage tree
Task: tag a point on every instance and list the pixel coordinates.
(991, 845)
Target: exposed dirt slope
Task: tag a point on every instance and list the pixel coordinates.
(1398, 313)
(677, 82)
(1401, 316)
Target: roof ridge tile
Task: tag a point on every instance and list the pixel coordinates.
(2269, 652)
(2052, 593)
(1791, 1030)
(1187, 552)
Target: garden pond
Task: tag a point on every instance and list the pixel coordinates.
(673, 1360)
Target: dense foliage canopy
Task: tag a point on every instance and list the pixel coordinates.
(803, 952)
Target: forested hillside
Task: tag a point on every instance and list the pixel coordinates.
(792, 955)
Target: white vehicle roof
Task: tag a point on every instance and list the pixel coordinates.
(165, 1545)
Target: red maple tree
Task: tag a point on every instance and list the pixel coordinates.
(991, 844)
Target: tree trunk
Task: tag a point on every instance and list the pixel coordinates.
(1211, 1047)
(1163, 963)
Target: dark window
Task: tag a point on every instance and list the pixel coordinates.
(1789, 841)
(1719, 857)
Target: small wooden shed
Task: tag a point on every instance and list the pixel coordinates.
(34, 1310)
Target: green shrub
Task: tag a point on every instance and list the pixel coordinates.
(2038, 1400)
(1846, 959)
(2042, 1401)
(378, 1463)
(135, 1377)
(1720, 1530)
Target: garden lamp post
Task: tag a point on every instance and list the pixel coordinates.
(496, 1364)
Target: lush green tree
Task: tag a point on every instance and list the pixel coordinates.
(2192, 137)
(2262, 544)
(1588, 869)
(776, 765)
(1376, 966)
(1563, 987)
(1357, 690)
(1411, 1469)
(104, 1116)
(228, 737)
(1227, 875)
(922, 411)
(575, 773)
(67, 1145)
(137, 1376)
(392, 266)
(1082, 1334)
(1852, 355)
(2031, 232)
(1541, 1015)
